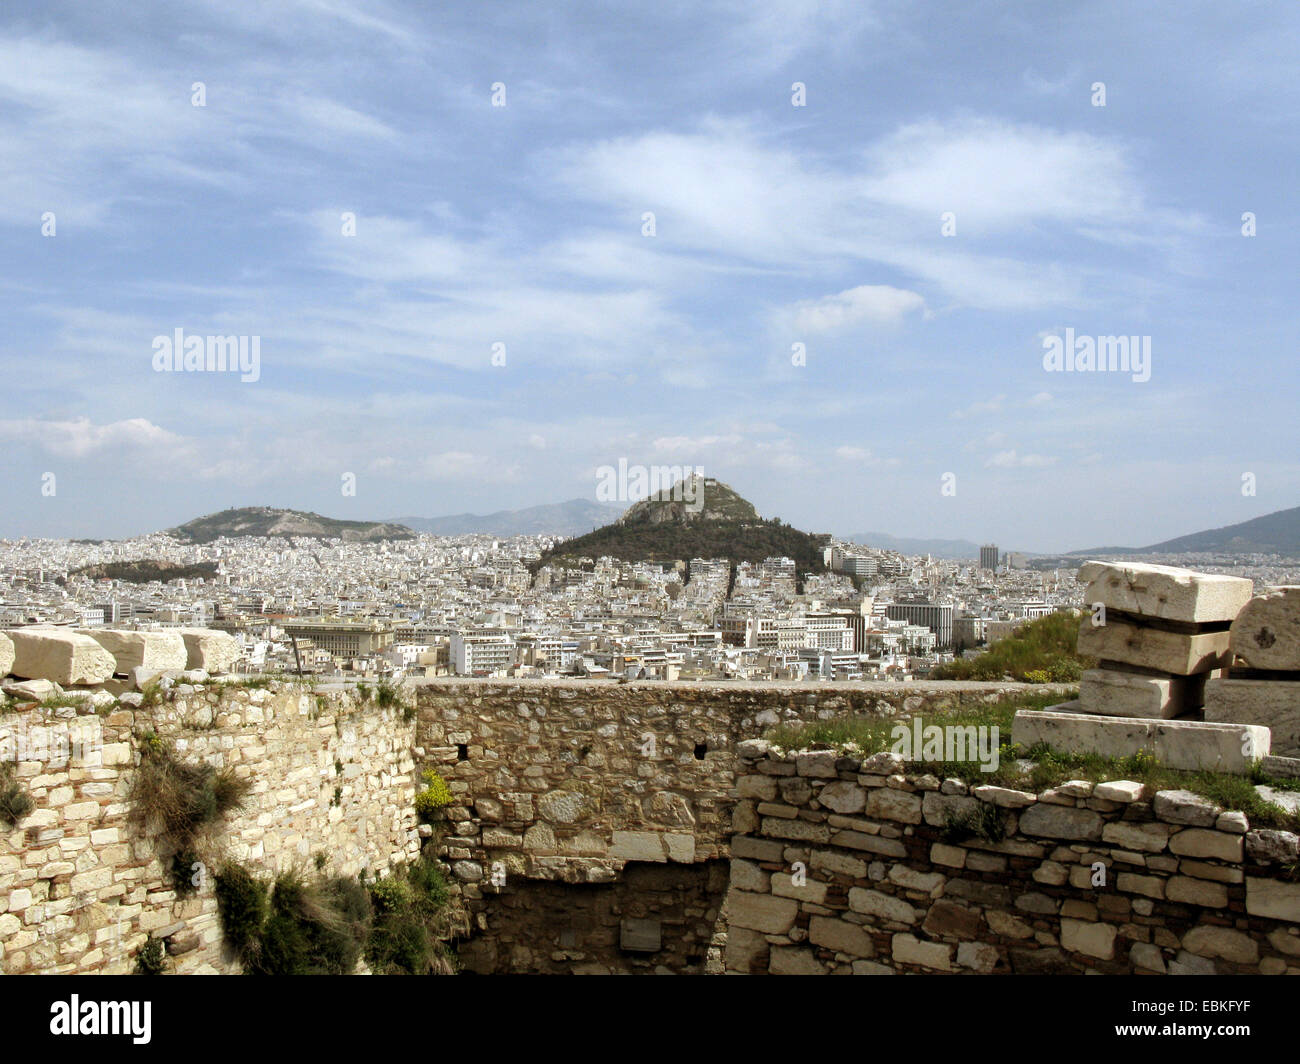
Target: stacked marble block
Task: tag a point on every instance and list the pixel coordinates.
(1263, 681)
(1159, 634)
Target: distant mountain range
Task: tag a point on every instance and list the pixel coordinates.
(571, 518)
(267, 521)
(1275, 533)
(955, 549)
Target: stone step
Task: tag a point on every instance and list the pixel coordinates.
(1288, 767)
(1178, 744)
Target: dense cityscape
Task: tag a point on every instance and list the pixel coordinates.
(475, 605)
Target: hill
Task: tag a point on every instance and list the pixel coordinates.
(1275, 533)
(665, 529)
(146, 570)
(266, 521)
(571, 518)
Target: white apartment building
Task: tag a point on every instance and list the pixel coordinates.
(481, 655)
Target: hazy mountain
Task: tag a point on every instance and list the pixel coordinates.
(959, 549)
(1275, 533)
(570, 518)
(267, 521)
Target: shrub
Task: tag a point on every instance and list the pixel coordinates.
(15, 803)
(983, 822)
(409, 906)
(434, 797)
(149, 958)
(184, 797)
(1046, 645)
(241, 907)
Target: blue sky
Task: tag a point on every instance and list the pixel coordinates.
(774, 225)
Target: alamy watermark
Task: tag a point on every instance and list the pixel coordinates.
(1098, 354)
(632, 483)
(918, 741)
(179, 353)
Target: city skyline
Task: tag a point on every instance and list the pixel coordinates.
(801, 164)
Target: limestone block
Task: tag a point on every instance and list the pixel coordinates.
(1094, 940)
(1272, 703)
(908, 949)
(1274, 898)
(134, 650)
(1178, 653)
(761, 912)
(208, 649)
(1186, 807)
(794, 960)
(1178, 744)
(1128, 694)
(638, 846)
(1208, 940)
(6, 654)
(841, 936)
(1266, 633)
(1164, 591)
(1197, 842)
(61, 655)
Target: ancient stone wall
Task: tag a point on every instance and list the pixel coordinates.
(844, 866)
(82, 886)
(572, 781)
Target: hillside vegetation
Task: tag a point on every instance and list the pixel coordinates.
(667, 542)
(1039, 651)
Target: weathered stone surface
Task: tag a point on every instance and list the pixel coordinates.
(1267, 845)
(1196, 842)
(841, 936)
(1093, 939)
(908, 949)
(747, 951)
(1119, 791)
(1061, 822)
(1273, 897)
(1272, 703)
(881, 906)
(1208, 940)
(1266, 633)
(794, 960)
(135, 650)
(1186, 807)
(1177, 744)
(60, 655)
(1192, 891)
(205, 648)
(1164, 591)
(6, 654)
(1005, 797)
(761, 912)
(1126, 694)
(638, 846)
(1128, 835)
(888, 804)
(1178, 653)
(843, 797)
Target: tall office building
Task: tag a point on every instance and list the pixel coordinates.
(927, 614)
(989, 557)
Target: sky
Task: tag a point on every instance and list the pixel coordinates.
(818, 250)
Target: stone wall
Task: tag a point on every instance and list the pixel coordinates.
(82, 887)
(571, 781)
(843, 866)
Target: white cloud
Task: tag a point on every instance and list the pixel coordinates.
(880, 304)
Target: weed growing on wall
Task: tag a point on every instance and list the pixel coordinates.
(183, 798)
(435, 796)
(15, 803)
(149, 959)
(323, 926)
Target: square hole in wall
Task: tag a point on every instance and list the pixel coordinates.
(462, 751)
